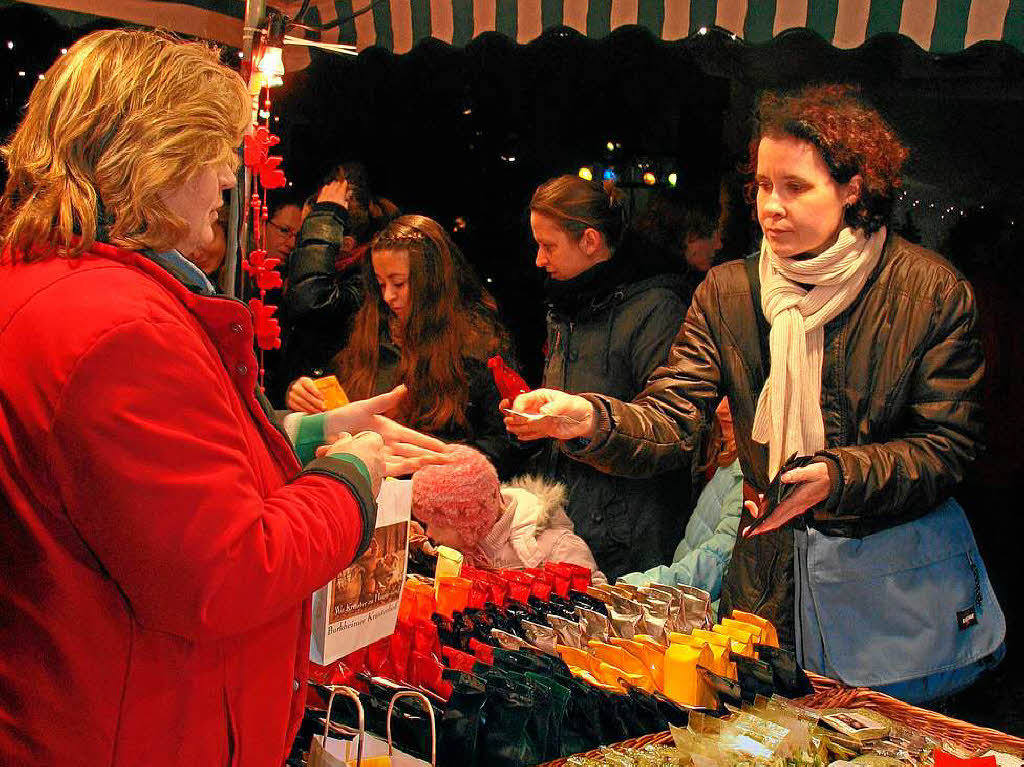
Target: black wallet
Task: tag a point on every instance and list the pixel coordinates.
(777, 492)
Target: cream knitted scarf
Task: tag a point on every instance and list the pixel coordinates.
(788, 416)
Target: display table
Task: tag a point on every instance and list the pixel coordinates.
(829, 693)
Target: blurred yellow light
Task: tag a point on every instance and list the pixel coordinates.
(271, 62)
(586, 173)
(650, 179)
(672, 179)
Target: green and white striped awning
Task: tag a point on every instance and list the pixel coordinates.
(939, 26)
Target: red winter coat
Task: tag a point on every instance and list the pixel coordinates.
(158, 543)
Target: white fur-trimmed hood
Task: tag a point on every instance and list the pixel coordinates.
(539, 502)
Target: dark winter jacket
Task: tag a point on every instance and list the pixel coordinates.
(611, 344)
(900, 400)
(320, 301)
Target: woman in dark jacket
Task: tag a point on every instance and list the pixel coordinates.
(611, 320)
(426, 322)
(324, 288)
(872, 364)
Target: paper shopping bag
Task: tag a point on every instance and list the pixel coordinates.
(360, 605)
(346, 748)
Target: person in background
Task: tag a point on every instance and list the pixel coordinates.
(282, 226)
(861, 352)
(703, 555)
(429, 324)
(324, 286)
(686, 227)
(159, 538)
(285, 219)
(611, 320)
(519, 524)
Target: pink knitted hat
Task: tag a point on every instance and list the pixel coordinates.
(463, 494)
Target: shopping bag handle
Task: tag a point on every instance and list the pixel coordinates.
(348, 692)
(430, 712)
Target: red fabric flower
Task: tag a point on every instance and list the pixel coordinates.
(268, 329)
(258, 159)
(268, 279)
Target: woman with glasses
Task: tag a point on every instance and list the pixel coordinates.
(282, 229)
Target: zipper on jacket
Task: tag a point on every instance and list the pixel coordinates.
(766, 591)
(565, 357)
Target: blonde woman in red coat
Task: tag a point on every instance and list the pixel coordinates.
(159, 539)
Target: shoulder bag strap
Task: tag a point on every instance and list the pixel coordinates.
(751, 264)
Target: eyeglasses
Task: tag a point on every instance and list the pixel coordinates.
(286, 231)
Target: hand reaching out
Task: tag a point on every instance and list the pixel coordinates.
(405, 450)
(549, 413)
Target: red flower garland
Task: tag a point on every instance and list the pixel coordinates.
(266, 173)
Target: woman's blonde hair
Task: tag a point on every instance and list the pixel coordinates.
(120, 120)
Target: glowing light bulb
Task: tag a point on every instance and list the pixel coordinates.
(672, 179)
(650, 179)
(586, 173)
(271, 62)
(610, 146)
(609, 175)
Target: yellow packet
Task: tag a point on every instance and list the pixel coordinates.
(331, 391)
(682, 683)
(769, 635)
(449, 565)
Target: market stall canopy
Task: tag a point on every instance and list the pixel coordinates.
(938, 26)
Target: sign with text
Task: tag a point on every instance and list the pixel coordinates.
(360, 604)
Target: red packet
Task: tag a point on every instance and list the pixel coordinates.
(458, 660)
(944, 759)
(483, 652)
(520, 584)
(510, 384)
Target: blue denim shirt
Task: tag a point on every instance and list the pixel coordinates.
(190, 275)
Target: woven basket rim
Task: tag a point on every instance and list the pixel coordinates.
(829, 693)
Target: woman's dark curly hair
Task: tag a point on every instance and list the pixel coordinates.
(852, 138)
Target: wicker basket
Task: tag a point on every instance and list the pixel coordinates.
(829, 693)
(656, 738)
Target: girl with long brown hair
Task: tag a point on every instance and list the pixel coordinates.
(426, 322)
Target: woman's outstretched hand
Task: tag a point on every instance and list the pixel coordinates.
(405, 449)
(814, 487)
(549, 413)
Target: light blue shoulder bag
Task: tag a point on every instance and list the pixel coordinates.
(908, 611)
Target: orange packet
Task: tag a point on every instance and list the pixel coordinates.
(329, 388)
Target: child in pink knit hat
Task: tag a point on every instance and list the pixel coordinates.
(521, 524)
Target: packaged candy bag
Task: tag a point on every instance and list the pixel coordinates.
(510, 384)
